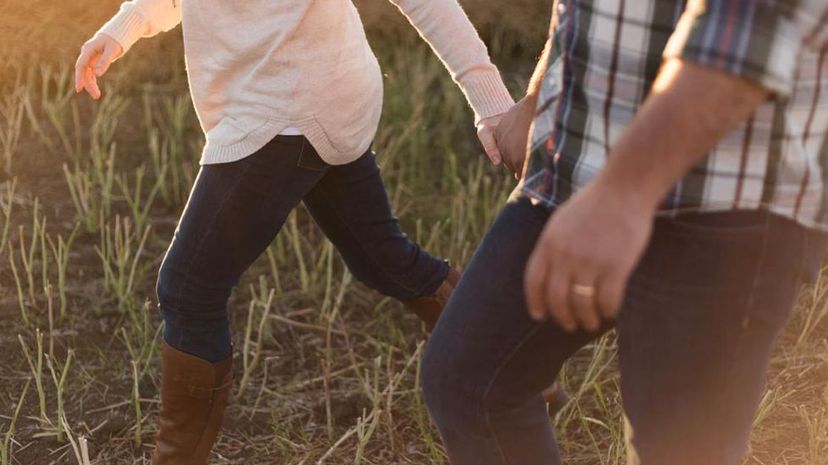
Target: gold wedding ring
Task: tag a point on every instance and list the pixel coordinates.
(583, 291)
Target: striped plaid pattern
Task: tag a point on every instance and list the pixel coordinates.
(605, 57)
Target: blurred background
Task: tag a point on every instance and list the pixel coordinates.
(326, 369)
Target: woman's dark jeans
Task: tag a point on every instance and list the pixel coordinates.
(236, 209)
(695, 334)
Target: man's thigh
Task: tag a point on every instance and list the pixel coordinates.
(488, 361)
(696, 331)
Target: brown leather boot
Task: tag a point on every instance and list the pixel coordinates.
(193, 397)
(428, 308)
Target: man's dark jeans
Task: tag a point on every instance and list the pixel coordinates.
(695, 335)
(236, 209)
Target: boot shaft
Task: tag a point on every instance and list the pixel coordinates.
(194, 396)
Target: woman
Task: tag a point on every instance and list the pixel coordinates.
(289, 96)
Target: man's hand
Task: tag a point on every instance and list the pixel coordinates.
(579, 269)
(512, 134)
(96, 55)
(581, 263)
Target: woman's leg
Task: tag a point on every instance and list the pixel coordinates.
(351, 206)
(233, 213)
(487, 362)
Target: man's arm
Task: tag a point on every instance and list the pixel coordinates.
(596, 238)
(512, 132)
(536, 80)
(690, 109)
(704, 89)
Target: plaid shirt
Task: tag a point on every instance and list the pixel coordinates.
(605, 56)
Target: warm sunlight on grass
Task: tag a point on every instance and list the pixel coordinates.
(89, 196)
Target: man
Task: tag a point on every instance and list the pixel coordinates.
(675, 191)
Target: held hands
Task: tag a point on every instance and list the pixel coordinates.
(504, 137)
(582, 261)
(96, 55)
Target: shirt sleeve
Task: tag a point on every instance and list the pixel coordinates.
(142, 18)
(760, 40)
(447, 29)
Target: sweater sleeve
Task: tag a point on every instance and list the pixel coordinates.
(447, 29)
(142, 18)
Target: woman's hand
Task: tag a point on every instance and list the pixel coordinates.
(485, 133)
(96, 55)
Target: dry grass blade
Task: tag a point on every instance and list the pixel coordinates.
(90, 196)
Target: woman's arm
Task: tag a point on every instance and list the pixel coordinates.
(447, 29)
(142, 18)
(135, 19)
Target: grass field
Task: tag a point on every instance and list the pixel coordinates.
(326, 369)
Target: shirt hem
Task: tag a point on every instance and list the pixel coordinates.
(550, 204)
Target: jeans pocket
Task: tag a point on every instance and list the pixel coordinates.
(814, 253)
(309, 158)
(721, 224)
(790, 253)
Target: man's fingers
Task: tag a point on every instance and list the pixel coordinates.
(610, 295)
(582, 299)
(534, 281)
(557, 299)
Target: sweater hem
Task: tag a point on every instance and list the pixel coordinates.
(214, 154)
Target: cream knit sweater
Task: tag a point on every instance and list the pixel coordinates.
(256, 67)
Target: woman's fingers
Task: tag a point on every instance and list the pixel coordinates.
(91, 81)
(486, 136)
(94, 60)
(81, 65)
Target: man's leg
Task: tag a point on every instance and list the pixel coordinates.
(487, 361)
(696, 331)
(351, 206)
